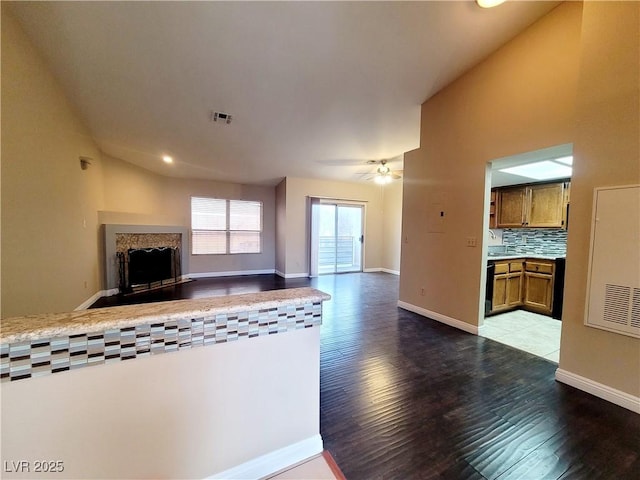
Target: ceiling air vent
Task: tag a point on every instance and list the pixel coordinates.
(221, 117)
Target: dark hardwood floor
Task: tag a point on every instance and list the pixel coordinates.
(405, 397)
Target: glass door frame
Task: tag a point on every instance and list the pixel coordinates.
(315, 233)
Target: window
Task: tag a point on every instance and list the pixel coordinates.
(222, 226)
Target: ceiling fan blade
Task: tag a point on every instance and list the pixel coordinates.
(340, 162)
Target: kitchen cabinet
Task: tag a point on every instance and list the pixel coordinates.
(536, 205)
(507, 285)
(493, 218)
(526, 283)
(538, 286)
(565, 205)
(511, 204)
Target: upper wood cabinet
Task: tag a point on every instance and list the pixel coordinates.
(493, 210)
(540, 205)
(511, 205)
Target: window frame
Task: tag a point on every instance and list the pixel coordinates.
(228, 231)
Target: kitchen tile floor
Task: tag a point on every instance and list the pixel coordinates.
(316, 468)
(533, 333)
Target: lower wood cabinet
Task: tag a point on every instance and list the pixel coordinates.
(523, 283)
(507, 285)
(538, 286)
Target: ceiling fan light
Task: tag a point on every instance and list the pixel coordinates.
(383, 170)
(489, 3)
(382, 179)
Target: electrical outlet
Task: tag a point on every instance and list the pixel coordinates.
(524, 239)
(471, 241)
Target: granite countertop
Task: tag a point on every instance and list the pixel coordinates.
(35, 327)
(509, 256)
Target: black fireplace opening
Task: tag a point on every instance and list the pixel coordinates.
(142, 268)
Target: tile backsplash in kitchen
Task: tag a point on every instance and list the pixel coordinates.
(552, 241)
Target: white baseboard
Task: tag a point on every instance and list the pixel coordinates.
(111, 291)
(380, 269)
(273, 462)
(600, 390)
(392, 272)
(291, 275)
(91, 300)
(229, 274)
(452, 322)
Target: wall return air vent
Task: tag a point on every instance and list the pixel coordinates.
(613, 297)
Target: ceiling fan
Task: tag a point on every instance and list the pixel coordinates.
(383, 174)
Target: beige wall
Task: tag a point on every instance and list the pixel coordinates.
(281, 226)
(49, 205)
(606, 153)
(52, 252)
(134, 190)
(297, 221)
(392, 226)
(52, 255)
(133, 420)
(519, 99)
(137, 196)
(567, 79)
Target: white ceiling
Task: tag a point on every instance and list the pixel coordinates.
(501, 179)
(315, 88)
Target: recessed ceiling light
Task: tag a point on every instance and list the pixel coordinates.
(167, 159)
(566, 160)
(544, 170)
(489, 3)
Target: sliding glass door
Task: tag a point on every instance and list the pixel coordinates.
(339, 238)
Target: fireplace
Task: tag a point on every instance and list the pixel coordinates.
(146, 268)
(142, 257)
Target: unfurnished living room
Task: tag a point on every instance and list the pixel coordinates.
(328, 240)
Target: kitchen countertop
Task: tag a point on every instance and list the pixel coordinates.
(510, 256)
(35, 327)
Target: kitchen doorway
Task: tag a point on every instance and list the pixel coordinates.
(336, 237)
(524, 249)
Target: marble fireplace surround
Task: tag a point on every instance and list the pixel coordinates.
(112, 232)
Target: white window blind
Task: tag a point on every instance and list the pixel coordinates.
(245, 219)
(222, 226)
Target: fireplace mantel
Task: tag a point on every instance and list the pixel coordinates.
(111, 263)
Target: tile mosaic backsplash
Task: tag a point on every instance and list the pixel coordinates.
(536, 241)
(36, 358)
